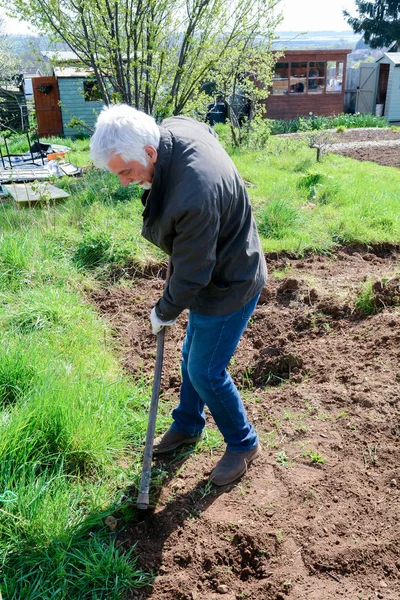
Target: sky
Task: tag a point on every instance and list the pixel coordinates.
(299, 15)
(312, 15)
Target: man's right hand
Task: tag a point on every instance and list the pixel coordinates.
(157, 324)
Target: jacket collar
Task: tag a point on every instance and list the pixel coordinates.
(152, 199)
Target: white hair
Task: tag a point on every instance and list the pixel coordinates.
(123, 131)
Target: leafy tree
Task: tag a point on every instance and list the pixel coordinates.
(8, 62)
(378, 21)
(156, 54)
(11, 109)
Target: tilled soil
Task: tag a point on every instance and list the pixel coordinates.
(317, 515)
(379, 145)
(388, 155)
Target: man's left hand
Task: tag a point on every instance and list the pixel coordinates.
(157, 324)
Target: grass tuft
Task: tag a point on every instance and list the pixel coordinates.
(278, 218)
(365, 300)
(17, 376)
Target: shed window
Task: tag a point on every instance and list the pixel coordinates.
(280, 79)
(316, 77)
(334, 77)
(298, 77)
(91, 91)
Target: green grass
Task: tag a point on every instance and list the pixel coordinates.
(301, 206)
(72, 423)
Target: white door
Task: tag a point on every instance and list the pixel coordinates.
(366, 93)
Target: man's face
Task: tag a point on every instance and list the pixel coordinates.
(133, 171)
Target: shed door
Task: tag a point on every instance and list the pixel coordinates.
(366, 93)
(48, 111)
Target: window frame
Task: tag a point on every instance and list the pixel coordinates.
(338, 69)
(323, 79)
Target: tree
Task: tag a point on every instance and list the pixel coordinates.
(378, 21)
(156, 54)
(8, 62)
(12, 113)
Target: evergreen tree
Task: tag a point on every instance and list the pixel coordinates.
(378, 21)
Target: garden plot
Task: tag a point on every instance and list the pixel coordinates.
(381, 146)
(378, 145)
(317, 517)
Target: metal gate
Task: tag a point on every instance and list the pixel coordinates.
(366, 93)
(47, 105)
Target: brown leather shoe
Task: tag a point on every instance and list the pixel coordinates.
(233, 465)
(171, 440)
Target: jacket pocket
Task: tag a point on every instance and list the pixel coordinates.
(217, 290)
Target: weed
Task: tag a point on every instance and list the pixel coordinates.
(194, 514)
(365, 301)
(270, 439)
(242, 491)
(281, 458)
(342, 414)
(280, 273)
(296, 420)
(279, 535)
(207, 490)
(370, 456)
(314, 456)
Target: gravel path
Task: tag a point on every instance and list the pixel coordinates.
(365, 144)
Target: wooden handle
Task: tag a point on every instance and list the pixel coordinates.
(143, 497)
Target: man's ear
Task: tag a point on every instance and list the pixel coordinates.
(151, 153)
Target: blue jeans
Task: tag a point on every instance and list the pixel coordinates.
(207, 349)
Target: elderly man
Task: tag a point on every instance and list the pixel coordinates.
(196, 209)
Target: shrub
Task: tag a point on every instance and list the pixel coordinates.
(252, 134)
(315, 122)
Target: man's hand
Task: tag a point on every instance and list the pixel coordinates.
(157, 324)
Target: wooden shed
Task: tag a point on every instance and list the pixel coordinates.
(307, 81)
(70, 92)
(79, 97)
(13, 111)
(379, 90)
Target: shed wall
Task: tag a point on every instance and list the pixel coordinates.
(73, 104)
(290, 107)
(392, 108)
